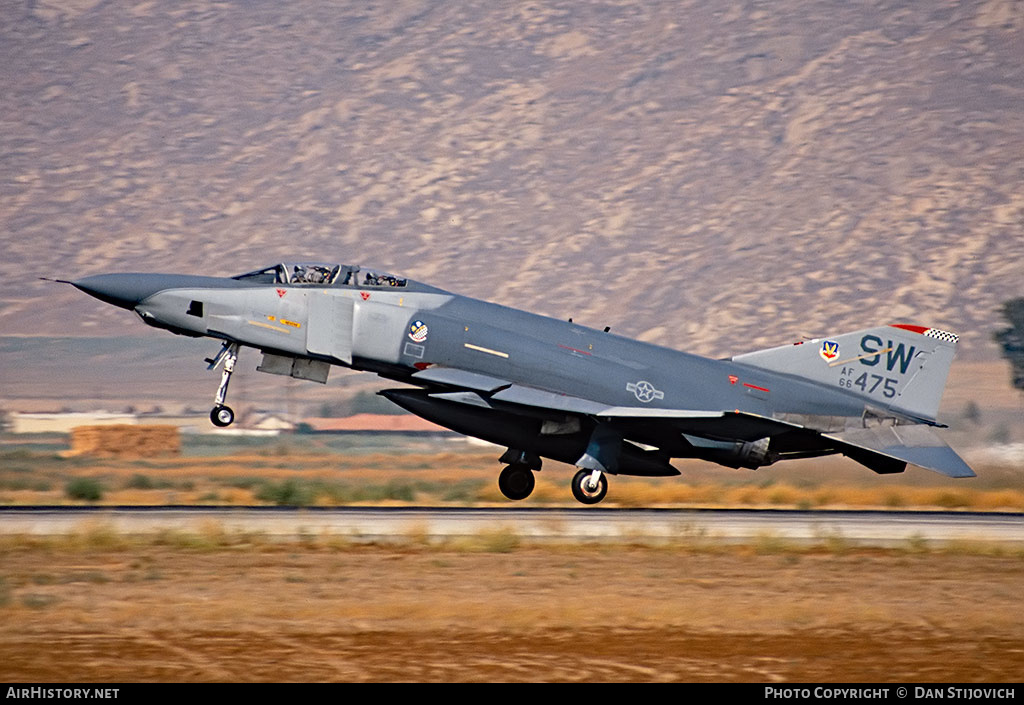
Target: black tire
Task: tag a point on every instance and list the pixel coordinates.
(516, 482)
(222, 416)
(584, 495)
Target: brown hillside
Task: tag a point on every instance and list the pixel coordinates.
(714, 178)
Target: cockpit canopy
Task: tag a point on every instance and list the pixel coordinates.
(321, 275)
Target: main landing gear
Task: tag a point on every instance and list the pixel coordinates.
(221, 414)
(589, 486)
(516, 481)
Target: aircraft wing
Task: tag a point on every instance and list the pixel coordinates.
(463, 379)
(506, 392)
(884, 449)
(652, 426)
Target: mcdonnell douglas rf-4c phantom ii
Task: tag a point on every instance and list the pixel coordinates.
(546, 388)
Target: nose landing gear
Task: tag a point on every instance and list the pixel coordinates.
(221, 414)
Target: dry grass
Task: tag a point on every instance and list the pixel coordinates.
(212, 536)
(281, 475)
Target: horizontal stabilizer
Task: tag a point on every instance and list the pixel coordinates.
(914, 444)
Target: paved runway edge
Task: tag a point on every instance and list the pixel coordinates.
(393, 524)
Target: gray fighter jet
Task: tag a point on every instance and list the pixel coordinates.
(546, 388)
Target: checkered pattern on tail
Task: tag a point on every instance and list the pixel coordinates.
(942, 335)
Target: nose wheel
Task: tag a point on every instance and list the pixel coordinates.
(222, 415)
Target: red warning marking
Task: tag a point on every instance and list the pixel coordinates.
(365, 295)
(733, 379)
(754, 386)
(566, 347)
(281, 293)
(914, 329)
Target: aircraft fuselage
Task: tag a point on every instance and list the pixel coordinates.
(541, 386)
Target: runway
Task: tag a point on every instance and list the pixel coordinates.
(397, 524)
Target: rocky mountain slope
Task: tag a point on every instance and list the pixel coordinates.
(715, 177)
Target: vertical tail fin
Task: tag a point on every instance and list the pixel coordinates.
(901, 368)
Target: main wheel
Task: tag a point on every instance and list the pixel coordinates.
(585, 494)
(516, 481)
(222, 416)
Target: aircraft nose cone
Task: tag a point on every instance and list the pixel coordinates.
(124, 290)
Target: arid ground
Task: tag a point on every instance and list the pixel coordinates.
(98, 605)
(194, 610)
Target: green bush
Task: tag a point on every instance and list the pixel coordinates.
(139, 481)
(85, 489)
(287, 494)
